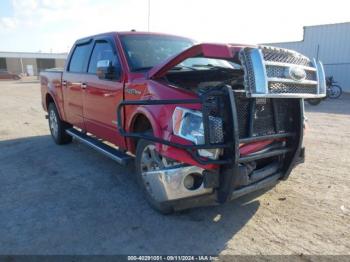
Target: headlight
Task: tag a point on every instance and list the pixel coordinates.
(188, 124)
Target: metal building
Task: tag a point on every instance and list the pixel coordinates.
(329, 43)
(30, 63)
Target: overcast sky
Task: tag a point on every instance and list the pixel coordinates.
(53, 25)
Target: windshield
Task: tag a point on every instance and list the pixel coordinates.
(145, 51)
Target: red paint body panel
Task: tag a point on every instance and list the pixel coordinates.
(94, 109)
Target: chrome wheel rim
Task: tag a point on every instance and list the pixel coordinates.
(151, 160)
(53, 123)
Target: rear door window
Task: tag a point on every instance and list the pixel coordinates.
(79, 57)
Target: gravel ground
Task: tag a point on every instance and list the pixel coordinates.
(72, 200)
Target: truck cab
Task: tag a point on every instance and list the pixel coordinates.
(200, 121)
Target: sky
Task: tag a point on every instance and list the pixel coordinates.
(54, 25)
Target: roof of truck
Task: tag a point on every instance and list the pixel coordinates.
(124, 33)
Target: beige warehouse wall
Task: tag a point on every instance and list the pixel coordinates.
(14, 65)
(60, 62)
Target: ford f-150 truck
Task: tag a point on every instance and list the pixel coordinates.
(204, 123)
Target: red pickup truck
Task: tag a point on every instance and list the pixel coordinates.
(204, 123)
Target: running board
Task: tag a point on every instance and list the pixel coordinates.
(103, 148)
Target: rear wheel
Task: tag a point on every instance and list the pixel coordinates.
(58, 127)
(148, 159)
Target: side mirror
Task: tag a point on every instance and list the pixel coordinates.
(106, 70)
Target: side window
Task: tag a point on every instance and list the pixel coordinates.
(103, 51)
(77, 62)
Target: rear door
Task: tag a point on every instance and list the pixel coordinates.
(73, 83)
(103, 95)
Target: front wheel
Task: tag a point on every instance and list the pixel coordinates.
(335, 91)
(58, 127)
(314, 101)
(148, 159)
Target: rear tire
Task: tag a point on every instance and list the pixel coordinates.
(142, 147)
(58, 127)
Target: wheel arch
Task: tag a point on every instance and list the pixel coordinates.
(49, 98)
(142, 120)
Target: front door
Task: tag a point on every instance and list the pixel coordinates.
(103, 94)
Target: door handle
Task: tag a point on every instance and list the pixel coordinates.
(83, 85)
(64, 83)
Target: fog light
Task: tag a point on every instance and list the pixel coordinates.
(189, 182)
(193, 181)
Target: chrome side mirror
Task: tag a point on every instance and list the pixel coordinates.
(106, 70)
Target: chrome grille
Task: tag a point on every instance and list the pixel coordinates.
(280, 88)
(249, 76)
(280, 72)
(284, 56)
(275, 72)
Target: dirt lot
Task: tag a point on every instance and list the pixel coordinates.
(72, 200)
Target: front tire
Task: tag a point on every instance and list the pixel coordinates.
(58, 127)
(148, 159)
(314, 101)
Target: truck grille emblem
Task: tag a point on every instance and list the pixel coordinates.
(296, 73)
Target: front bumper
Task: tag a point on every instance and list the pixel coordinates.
(168, 184)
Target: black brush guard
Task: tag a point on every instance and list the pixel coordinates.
(222, 103)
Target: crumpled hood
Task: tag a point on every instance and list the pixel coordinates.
(220, 51)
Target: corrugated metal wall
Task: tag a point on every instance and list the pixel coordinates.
(330, 44)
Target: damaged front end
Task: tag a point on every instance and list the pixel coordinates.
(250, 128)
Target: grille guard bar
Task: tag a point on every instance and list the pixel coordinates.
(231, 147)
(192, 148)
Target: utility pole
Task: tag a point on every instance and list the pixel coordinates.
(22, 67)
(149, 14)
